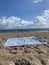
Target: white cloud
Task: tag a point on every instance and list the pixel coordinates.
(43, 20)
(36, 1)
(15, 22)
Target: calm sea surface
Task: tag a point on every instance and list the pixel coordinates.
(24, 30)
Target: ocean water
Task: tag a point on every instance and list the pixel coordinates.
(24, 30)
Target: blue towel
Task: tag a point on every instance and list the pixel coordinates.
(23, 41)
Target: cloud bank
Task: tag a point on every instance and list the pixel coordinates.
(43, 20)
(36, 1)
(13, 22)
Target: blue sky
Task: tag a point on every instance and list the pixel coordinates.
(25, 9)
(24, 13)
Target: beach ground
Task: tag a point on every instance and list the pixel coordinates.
(27, 55)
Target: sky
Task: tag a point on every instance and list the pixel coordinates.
(18, 14)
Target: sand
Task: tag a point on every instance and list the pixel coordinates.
(27, 55)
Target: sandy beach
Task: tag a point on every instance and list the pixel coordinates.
(27, 55)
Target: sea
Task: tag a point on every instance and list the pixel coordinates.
(24, 30)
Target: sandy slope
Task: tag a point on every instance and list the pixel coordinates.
(28, 55)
